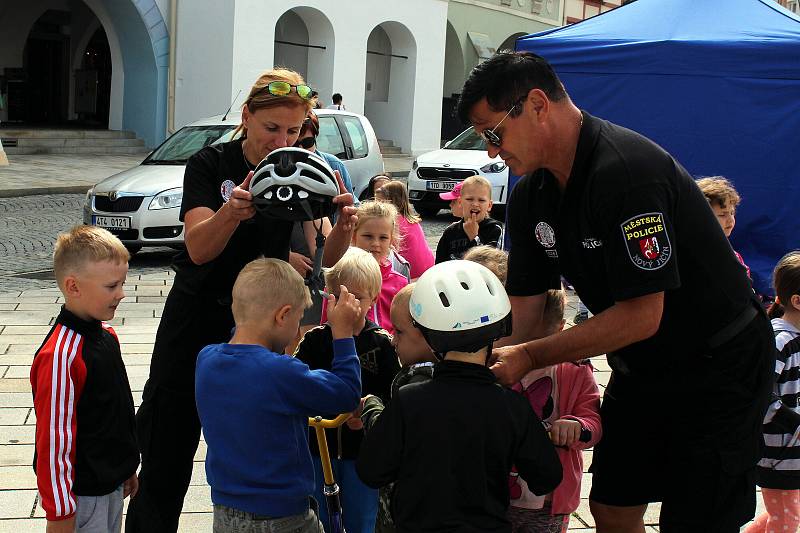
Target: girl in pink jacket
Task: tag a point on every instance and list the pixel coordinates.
(376, 232)
(567, 399)
(413, 246)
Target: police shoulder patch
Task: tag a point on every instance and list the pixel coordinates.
(647, 240)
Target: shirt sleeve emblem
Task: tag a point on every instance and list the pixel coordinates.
(547, 238)
(647, 240)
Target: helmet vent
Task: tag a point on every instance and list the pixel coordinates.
(466, 287)
(443, 298)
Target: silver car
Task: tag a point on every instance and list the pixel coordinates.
(141, 205)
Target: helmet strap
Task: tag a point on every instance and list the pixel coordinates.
(315, 281)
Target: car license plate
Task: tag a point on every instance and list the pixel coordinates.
(440, 185)
(112, 223)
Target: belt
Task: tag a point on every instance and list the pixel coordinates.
(734, 327)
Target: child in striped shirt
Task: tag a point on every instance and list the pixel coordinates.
(779, 469)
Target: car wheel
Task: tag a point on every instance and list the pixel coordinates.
(133, 249)
(427, 211)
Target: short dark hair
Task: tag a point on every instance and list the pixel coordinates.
(337, 98)
(505, 79)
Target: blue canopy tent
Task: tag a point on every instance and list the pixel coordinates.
(716, 83)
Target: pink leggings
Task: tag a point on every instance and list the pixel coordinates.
(783, 512)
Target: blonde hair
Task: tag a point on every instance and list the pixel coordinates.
(553, 313)
(83, 244)
(492, 258)
(396, 194)
(719, 191)
(786, 280)
(479, 181)
(403, 297)
(265, 285)
(260, 98)
(356, 269)
(372, 209)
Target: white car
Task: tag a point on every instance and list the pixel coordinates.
(141, 205)
(439, 171)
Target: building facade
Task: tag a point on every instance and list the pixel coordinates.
(151, 66)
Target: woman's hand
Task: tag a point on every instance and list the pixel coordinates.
(347, 218)
(240, 204)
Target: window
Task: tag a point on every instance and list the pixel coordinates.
(330, 139)
(357, 136)
(187, 141)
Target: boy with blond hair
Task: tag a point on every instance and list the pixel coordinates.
(85, 456)
(361, 274)
(476, 227)
(254, 402)
(492, 258)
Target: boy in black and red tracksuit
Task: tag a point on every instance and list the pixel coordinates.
(86, 455)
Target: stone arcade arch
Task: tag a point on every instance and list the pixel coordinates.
(389, 87)
(305, 42)
(138, 46)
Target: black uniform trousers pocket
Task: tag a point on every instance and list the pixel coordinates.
(168, 428)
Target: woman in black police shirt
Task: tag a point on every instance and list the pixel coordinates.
(222, 235)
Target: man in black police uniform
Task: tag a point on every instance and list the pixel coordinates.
(690, 349)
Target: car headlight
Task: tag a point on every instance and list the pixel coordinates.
(88, 200)
(167, 199)
(414, 165)
(493, 168)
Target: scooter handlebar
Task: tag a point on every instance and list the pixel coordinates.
(318, 421)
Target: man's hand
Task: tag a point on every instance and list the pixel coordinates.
(240, 205)
(565, 432)
(471, 226)
(347, 213)
(130, 487)
(343, 313)
(61, 526)
(511, 364)
(301, 263)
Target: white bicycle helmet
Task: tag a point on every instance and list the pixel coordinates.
(460, 306)
(294, 184)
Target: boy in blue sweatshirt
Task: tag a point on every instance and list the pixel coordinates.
(254, 402)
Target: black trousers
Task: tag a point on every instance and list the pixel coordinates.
(167, 425)
(691, 441)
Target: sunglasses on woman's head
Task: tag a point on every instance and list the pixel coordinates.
(282, 88)
(305, 142)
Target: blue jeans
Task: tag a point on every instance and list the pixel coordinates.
(359, 502)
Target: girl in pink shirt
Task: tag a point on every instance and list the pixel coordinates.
(566, 398)
(413, 246)
(376, 232)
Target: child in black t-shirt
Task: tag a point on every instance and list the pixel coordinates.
(360, 273)
(476, 227)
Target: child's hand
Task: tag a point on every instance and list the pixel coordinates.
(343, 313)
(355, 422)
(59, 526)
(471, 226)
(130, 487)
(565, 432)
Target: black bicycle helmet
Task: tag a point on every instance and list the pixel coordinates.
(294, 184)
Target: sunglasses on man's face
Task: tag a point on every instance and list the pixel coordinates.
(494, 138)
(306, 143)
(282, 88)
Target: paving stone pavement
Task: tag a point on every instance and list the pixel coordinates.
(28, 307)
